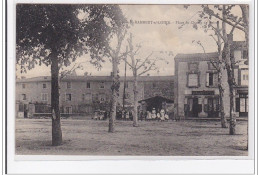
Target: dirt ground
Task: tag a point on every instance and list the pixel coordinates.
(89, 137)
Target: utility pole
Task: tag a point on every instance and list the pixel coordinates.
(124, 87)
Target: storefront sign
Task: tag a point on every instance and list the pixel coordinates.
(203, 93)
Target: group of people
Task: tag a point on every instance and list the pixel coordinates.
(124, 115)
(160, 116)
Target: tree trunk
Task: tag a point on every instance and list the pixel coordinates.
(231, 83)
(135, 113)
(229, 63)
(220, 84)
(115, 88)
(221, 103)
(56, 125)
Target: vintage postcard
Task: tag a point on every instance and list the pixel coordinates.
(132, 80)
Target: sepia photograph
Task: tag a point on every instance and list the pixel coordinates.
(132, 79)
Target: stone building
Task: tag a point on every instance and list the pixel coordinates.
(84, 94)
(196, 91)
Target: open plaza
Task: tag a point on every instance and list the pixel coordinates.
(151, 138)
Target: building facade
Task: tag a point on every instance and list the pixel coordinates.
(196, 84)
(84, 94)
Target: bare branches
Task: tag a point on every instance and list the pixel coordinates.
(145, 61)
(210, 12)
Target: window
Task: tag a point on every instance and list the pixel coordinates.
(23, 96)
(83, 97)
(44, 86)
(44, 97)
(245, 54)
(102, 85)
(193, 80)
(68, 97)
(23, 86)
(244, 77)
(88, 85)
(68, 110)
(68, 85)
(212, 79)
(237, 55)
(242, 103)
(193, 66)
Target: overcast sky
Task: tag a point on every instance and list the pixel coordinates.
(165, 40)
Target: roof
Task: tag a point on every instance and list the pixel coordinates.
(157, 99)
(196, 56)
(97, 78)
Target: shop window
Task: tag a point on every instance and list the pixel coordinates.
(242, 104)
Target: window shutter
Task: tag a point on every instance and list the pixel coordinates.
(207, 79)
(215, 79)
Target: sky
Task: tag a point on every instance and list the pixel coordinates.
(161, 36)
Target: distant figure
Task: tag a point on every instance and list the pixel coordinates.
(123, 115)
(153, 114)
(162, 115)
(25, 113)
(127, 115)
(158, 116)
(149, 116)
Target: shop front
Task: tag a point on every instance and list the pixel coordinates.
(242, 103)
(201, 104)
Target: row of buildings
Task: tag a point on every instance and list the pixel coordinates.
(193, 88)
(86, 94)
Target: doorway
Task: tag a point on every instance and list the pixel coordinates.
(195, 107)
(213, 104)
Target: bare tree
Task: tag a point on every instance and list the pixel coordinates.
(223, 14)
(139, 67)
(219, 66)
